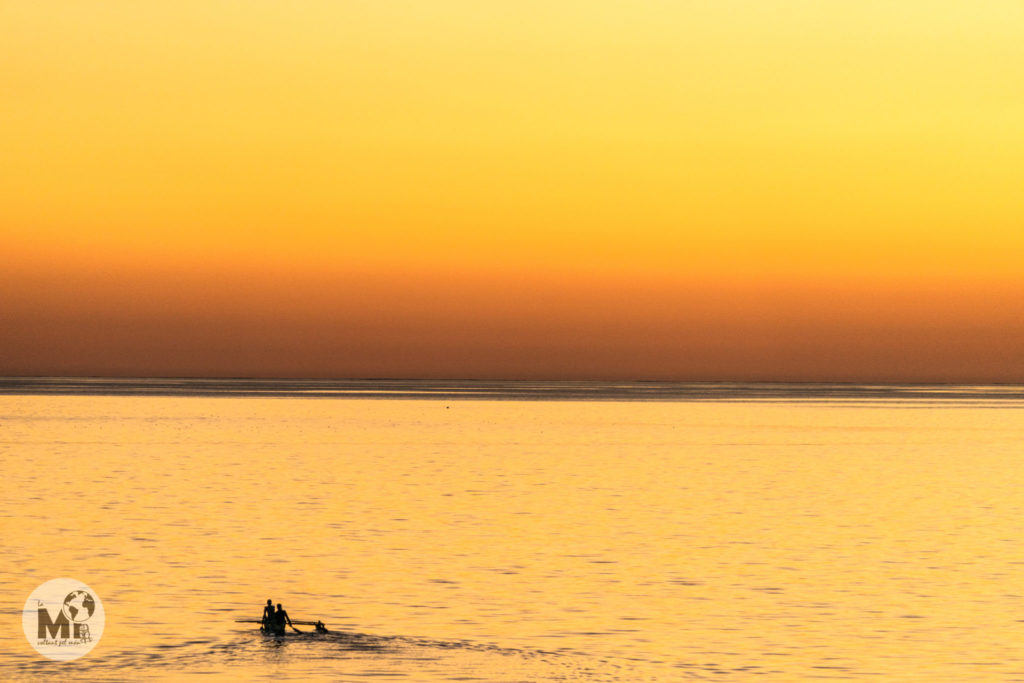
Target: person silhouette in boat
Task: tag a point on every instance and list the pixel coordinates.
(268, 616)
(280, 618)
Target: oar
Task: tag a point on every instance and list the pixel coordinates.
(296, 621)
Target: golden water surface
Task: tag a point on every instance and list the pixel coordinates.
(521, 540)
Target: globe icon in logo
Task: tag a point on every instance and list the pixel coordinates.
(78, 606)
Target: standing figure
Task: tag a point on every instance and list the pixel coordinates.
(268, 617)
(280, 617)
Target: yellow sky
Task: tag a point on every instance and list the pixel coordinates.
(687, 145)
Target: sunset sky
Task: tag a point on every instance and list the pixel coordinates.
(761, 189)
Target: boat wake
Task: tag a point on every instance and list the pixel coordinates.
(344, 655)
(359, 655)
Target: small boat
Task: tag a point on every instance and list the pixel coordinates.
(318, 625)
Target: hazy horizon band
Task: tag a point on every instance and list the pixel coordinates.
(506, 389)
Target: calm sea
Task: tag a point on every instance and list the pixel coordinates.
(469, 531)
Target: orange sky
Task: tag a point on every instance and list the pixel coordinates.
(727, 190)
